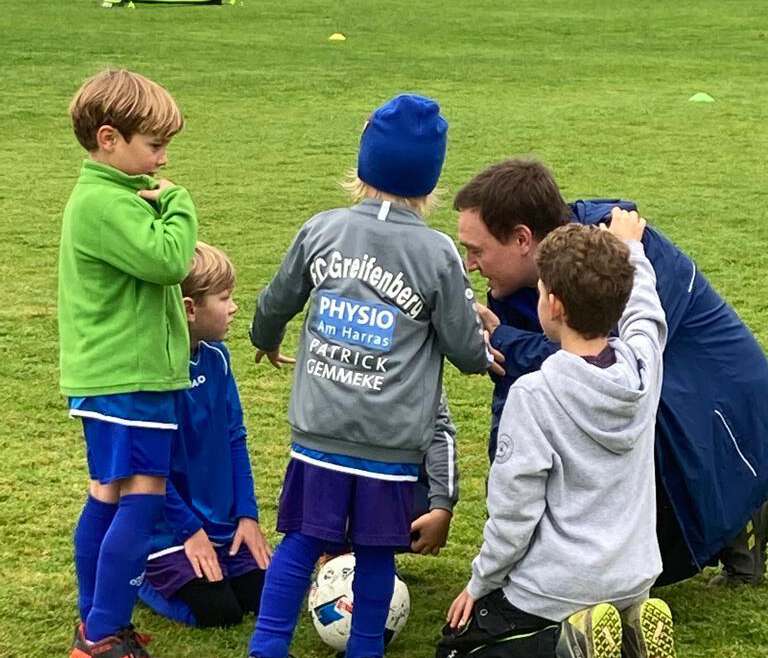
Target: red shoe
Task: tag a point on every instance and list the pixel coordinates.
(126, 644)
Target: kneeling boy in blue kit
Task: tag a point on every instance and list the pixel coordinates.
(208, 554)
(571, 495)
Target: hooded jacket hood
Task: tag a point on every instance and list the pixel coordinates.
(609, 405)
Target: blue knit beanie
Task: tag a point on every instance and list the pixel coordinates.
(402, 148)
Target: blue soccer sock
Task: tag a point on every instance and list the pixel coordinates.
(372, 587)
(94, 522)
(285, 585)
(122, 559)
(171, 608)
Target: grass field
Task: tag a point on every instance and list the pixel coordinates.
(599, 90)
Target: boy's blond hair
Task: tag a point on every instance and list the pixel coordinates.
(358, 190)
(211, 273)
(126, 101)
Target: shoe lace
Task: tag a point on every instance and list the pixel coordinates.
(136, 642)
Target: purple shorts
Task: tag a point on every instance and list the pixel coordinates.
(170, 572)
(118, 451)
(345, 508)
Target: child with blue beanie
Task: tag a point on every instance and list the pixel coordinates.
(388, 299)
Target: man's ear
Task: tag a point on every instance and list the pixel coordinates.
(189, 307)
(523, 238)
(106, 138)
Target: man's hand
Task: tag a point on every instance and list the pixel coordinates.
(626, 225)
(489, 319)
(433, 531)
(274, 356)
(460, 610)
(249, 533)
(154, 195)
(202, 556)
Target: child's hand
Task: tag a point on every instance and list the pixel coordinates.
(433, 531)
(275, 358)
(202, 556)
(626, 225)
(249, 533)
(460, 610)
(496, 366)
(154, 195)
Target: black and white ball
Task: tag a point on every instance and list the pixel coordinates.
(331, 602)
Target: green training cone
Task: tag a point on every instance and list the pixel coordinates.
(701, 97)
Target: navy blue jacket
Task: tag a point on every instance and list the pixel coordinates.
(712, 424)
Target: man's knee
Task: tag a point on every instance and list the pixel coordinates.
(213, 604)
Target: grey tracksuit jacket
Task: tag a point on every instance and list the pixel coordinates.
(388, 298)
(440, 465)
(571, 493)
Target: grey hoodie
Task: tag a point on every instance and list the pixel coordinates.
(571, 493)
(388, 299)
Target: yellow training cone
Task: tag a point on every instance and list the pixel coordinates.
(337, 36)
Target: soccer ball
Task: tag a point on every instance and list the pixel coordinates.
(331, 602)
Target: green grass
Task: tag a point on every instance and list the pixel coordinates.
(596, 89)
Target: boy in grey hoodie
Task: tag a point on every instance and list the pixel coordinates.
(571, 500)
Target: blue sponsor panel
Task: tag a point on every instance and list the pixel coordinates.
(354, 322)
(327, 612)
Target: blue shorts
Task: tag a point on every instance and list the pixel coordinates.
(345, 508)
(127, 434)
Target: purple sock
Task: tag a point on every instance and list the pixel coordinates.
(122, 559)
(94, 522)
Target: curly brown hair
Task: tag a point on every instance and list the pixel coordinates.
(588, 270)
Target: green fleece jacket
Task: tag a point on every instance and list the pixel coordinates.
(122, 325)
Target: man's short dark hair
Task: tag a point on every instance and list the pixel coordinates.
(588, 270)
(515, 192)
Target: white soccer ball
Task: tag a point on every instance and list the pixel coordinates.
(331, 603)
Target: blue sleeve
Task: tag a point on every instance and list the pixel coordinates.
(244, 495)
(524, 351)
(182, 520)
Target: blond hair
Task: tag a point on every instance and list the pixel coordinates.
(126, 101)
(211, 273)
(358, 190)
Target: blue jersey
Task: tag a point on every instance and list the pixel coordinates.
(712, 422)
(211, 483)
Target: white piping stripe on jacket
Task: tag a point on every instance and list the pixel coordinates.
(384, 210)
(451, 466)
(733, 438)
(693, 277)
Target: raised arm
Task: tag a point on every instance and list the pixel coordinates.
(642, 325)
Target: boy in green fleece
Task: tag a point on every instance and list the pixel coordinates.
(127, 242)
